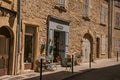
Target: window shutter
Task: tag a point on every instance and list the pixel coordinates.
(103, 14)
(61, 3)
(117, 20)
(117, 45)
(103, 44)
(86, 8)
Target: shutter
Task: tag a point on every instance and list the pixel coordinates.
(86, 8)
(61, 3)
(103, 44)
(103, 15)
(117, 20)
(119, 46)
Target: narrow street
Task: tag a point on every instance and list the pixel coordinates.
(107, 73)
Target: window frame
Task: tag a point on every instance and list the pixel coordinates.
(117, 20)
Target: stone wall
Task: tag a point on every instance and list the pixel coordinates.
(40, 9)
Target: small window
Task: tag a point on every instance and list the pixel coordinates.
(118, 20)
(61, 3)
(86, 8)
(117, 45)
(103, 14)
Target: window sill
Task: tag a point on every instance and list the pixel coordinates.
(60, 8)
(103, 24)
(8, 1)
(118, 28)
(86, 18)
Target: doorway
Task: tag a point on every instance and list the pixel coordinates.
(59, 46)
(5, 49)
(86, 48)
(98, 48)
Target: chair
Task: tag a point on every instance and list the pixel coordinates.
(68, 63)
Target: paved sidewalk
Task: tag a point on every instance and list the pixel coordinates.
(61, 72)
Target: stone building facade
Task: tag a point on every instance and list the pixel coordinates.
(8, 24)
(116, 27)
(73, 26)
(59, 28)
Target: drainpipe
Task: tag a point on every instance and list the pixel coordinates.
(18, 36)
(110, 13)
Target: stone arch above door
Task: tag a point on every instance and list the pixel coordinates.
(7, 31)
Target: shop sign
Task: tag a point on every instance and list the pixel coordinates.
(59, 27)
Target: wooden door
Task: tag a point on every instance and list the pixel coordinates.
(86, 50)
(4, 55)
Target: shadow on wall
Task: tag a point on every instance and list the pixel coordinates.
(11, 20)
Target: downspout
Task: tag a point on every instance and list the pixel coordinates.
(18, 36)
(110, 15)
